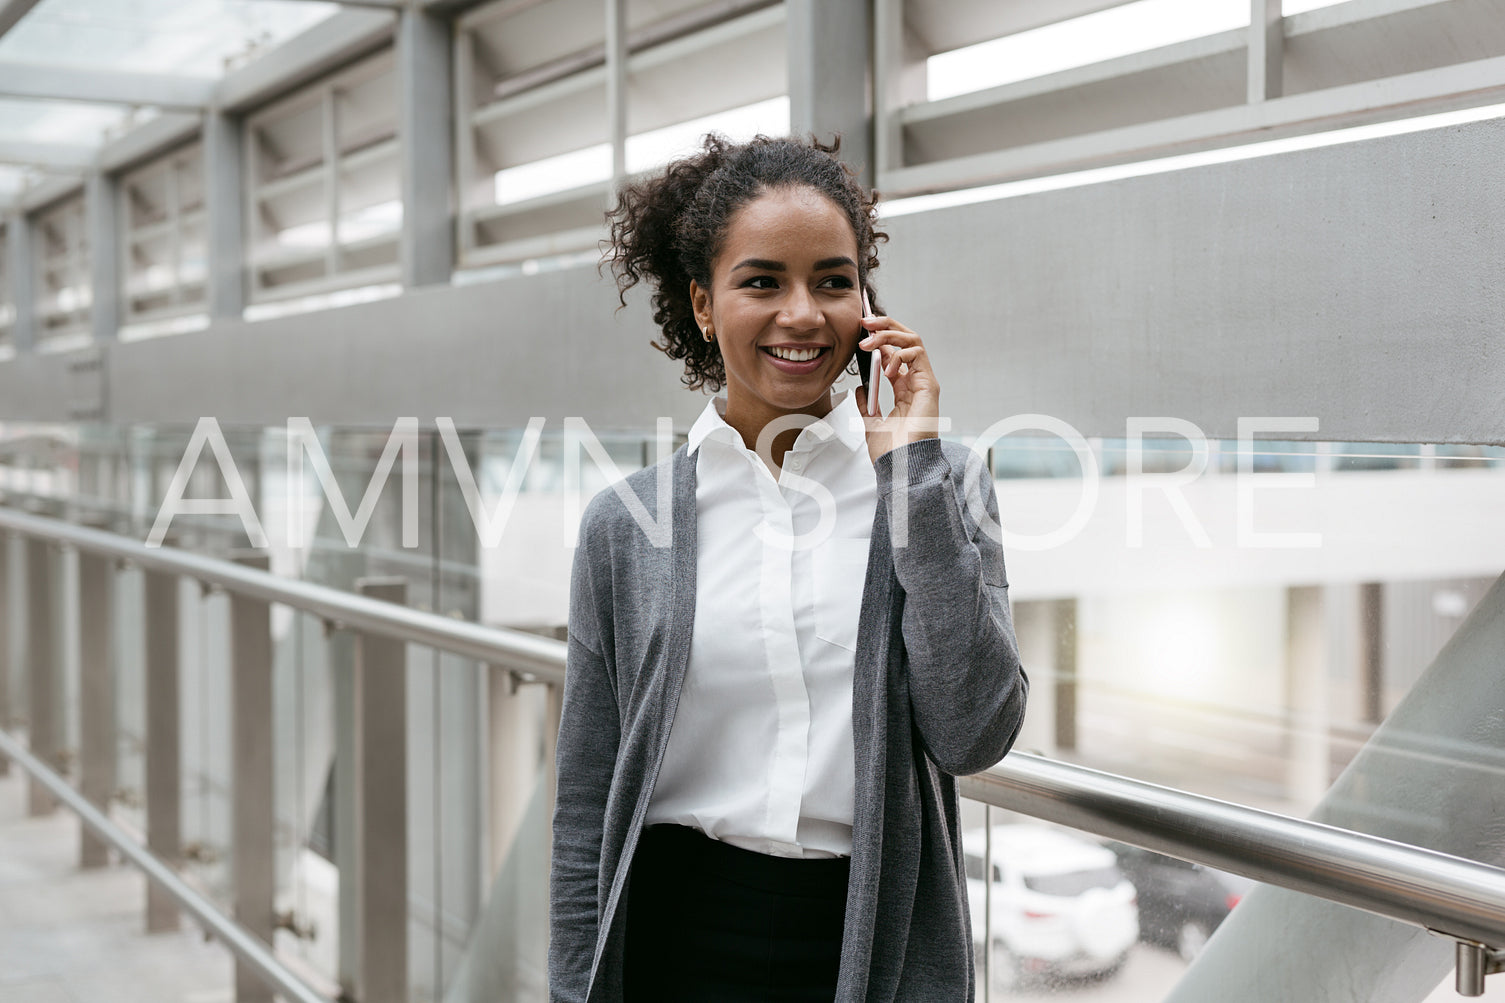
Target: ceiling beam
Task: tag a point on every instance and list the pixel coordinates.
(12, 11)
(48, 82)
(323, 47)
(56, 156)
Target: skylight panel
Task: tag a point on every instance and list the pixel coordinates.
(197, 38)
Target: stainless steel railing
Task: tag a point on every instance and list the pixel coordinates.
(251, 951)
(1459, 898)
(1449, 895)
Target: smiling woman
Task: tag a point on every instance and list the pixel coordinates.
(763, 721)
(785, 308)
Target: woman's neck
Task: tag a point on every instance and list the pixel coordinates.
(751, 419)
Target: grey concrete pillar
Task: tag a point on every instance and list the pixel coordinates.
(225, 206)
(829, 46)
(97, 732)
(7, 632)
(381, 726)
(1372, 652)
(425, 50)
(346, 808)
(514, 738)
(616, 87)
(899, 79)
(1065, 617)
(553, 714)
(44, 663)
(1034, 626)
(23, 291)
(253, 810)
(102, 215)
(1308, 756)
(164, 781)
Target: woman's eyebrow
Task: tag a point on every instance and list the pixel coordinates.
(761, 264)
(767, 265)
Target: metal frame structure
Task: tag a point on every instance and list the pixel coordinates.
(1351, 64)
(535, 79)
(1458, 898)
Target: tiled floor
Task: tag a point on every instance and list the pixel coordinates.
(72, 936)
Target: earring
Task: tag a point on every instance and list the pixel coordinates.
(708, 334)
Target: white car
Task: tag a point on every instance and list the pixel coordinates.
(1061, 906)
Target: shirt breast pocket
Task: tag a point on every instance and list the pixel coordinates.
(840, 568)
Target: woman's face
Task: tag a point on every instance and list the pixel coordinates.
(784, 304)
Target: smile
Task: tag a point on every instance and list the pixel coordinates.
(796, 354)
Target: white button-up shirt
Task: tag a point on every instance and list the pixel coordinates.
(760, 754)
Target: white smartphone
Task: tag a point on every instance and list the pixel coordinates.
(874, 362)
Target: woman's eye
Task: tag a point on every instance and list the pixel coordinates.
(838, 282)
(760, 282)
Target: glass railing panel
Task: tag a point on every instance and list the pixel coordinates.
(1239, 629)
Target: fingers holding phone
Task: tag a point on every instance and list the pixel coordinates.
(900, 355)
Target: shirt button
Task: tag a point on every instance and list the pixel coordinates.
(795, 463)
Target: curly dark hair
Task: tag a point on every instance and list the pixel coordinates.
(669, 228)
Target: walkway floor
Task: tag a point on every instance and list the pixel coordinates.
(72, 936)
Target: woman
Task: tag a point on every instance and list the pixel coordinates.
(763, 718)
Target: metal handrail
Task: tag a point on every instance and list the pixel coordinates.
(1460, 898)
(538, 656)
(1454, 896)
(255, 955)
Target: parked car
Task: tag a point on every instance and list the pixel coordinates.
(1180, 903)
(1060, 904)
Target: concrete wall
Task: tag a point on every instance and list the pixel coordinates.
(1356, 283)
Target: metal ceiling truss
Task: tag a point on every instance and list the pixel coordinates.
(55, 83)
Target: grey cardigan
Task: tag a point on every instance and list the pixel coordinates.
(938, 692)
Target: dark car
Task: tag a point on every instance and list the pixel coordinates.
(1180, 903)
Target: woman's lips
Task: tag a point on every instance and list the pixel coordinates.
(798, 368)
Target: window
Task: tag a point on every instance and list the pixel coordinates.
(535, 146)
(61, 248)
(165, 237)
(323, 185)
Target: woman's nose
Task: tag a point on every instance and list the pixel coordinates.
(801, 310)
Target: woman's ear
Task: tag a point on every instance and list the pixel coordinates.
(700, 302)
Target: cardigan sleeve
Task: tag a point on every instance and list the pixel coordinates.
(967, 688)
(589, 734)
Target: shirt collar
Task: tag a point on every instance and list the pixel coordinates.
(843, 420)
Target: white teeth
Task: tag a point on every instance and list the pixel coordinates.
(795, 354)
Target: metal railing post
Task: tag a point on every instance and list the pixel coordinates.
(7, 631)
(382, 804)
(96, 693)
(164, 783)
(339, 648)
(253, 810)
(42, 715)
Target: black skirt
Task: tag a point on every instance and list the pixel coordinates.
(708, 922)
